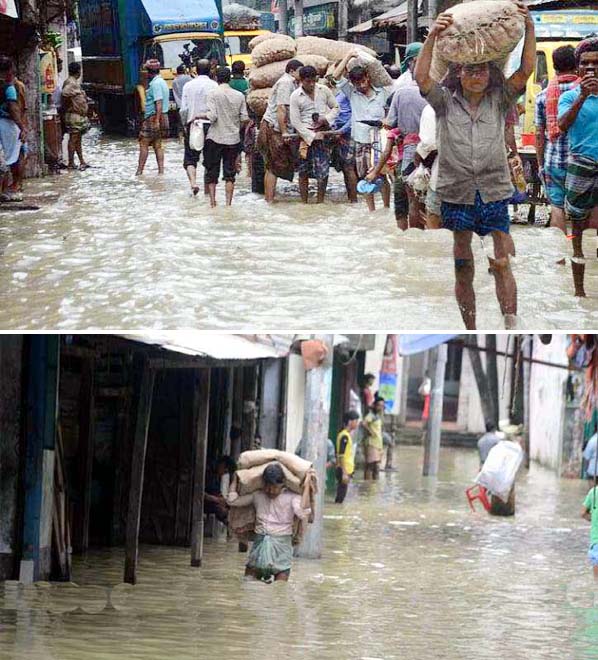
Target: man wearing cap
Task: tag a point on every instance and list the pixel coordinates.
(408, 64)
(155, 121)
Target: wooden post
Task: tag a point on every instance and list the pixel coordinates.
(316, 420)
(269, 420)
(42, 405)
(143, 394)
(432, 438)
(249, 407)
(86, 442)
(298, 18)
(237, 422)
(202, 412)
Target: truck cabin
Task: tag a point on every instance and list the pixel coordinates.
(186, 48)
(237, 45)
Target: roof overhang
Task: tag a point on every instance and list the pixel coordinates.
(224, 347)
(182, 15)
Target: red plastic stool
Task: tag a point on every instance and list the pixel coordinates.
(477, 492)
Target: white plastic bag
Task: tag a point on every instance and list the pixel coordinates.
(196, 135)
(500, 469)
(419, 180)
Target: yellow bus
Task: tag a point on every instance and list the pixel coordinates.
(554, 28)
(236, 43)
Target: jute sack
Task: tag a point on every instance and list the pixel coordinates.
(319, 63)
(251, 479)
(261, 37)
(378, 75)
(331, 50)
(297, 465)
(257, 100)
(482, 31)
(265, 76)
(273, 50)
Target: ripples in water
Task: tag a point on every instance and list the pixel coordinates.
(109, 250)
(407, 572)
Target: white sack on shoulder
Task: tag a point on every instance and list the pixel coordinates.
(500, 469)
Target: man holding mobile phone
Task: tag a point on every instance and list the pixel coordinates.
(578, 117)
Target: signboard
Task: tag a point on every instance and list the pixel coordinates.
(8, 8)
(388, 373)
(320, 19)
(566, 24)
(267, 21)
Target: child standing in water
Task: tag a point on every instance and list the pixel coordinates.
(590, 512)
(275, 510)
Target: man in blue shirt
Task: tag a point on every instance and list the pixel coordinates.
(155, 119)
(341, 148)
(578, 117)
(552, 150)
(368, 103)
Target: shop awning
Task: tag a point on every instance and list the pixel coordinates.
(412, 344)
(362, 27)
(8, 8)
(215, 346)
(182, 15)
(395, 16)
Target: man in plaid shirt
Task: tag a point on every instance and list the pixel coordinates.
(552, 155)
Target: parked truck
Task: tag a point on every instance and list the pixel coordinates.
(118, 36)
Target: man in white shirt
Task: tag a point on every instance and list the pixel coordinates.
(428, 151)
(313, 110)
(227, 113)
(278, 153)
(194, 103)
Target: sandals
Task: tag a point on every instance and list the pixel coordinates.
(11, 197)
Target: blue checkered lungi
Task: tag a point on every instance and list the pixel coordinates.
(317, 163)
(480, 218)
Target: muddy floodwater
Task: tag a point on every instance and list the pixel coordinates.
(408, 572)
(109, 250)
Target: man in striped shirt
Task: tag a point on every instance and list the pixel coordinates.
(552, 154)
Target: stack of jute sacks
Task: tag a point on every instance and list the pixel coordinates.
(271, 53)
(482, 31)
(299, 477)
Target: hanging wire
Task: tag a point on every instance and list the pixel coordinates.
(352, 358)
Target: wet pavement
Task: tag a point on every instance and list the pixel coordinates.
(108, 250)
(408, 572)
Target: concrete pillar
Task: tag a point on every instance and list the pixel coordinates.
(432, 438)
(298, 18)
(315, 434)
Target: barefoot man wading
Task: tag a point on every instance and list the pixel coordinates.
(474, 183)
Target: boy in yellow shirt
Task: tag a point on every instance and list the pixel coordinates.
(345, 464)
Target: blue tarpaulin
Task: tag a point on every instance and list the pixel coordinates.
(411, 344)
(182, 15)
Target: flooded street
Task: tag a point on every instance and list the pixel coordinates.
(408, 572)
(109, 250)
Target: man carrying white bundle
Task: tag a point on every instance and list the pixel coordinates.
(474, 182)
